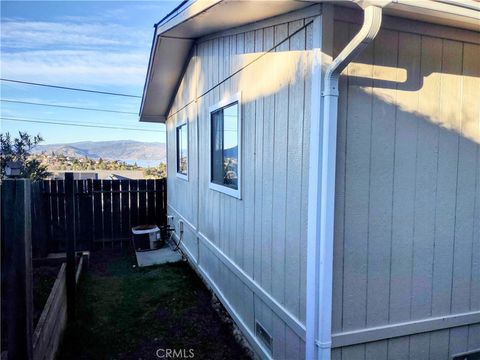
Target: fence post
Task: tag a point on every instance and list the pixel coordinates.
(70, 236)
(16, 233)
(90, 217)
(39, 223)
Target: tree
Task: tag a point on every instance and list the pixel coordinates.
(158, 172)
(19, 149)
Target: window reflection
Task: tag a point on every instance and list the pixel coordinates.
(224, 166)
(182, 149)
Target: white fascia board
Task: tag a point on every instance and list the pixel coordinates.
(174, 39)
(169, 60)
(469, 4)
(456, 13)
(191, 10)
(152, 119)
(451, 13)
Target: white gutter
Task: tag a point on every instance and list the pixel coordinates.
(322, 186)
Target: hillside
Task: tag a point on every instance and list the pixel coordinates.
(125, 150)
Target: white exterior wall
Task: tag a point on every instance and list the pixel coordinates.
(407, 232)
(251, 251)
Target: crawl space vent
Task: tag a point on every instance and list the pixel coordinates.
(263, 335)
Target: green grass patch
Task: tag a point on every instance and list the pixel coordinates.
(128, 313)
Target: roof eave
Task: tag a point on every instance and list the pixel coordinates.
(175, 35)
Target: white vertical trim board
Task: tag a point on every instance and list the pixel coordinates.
(314, 184)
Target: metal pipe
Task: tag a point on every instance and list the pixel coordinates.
(371, 25)
(321, 232)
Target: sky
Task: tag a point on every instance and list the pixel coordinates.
(96, 45)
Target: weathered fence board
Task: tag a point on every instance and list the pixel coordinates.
(84, 214)
(134, 202)
(116, 215)
(16, 242)
(142, 199)
(42, 225)
(107, 209)
(105, 212)
(62, 218)
(71, 235)
(151, 202)
(125, 188)
(97, 205)
(53, 214)
(161, 199)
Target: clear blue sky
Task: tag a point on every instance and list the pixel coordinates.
(99, 45)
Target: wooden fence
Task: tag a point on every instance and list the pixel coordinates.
(17, 227)
(16, 265)
(105, 212)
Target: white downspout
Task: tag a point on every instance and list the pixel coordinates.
(321, 229)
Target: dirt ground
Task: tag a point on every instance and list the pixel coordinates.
(43, 280)
(124, 312)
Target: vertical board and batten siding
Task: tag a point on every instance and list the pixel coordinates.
(252, 251)
(407, 238)
(408, 194)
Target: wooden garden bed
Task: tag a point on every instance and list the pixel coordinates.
(53, 320)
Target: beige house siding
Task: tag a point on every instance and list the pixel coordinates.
(407, 232)
(253, 250)
(407, 228)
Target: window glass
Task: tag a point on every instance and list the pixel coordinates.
(224, 127)
(182, 149)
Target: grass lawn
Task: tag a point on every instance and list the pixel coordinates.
(129, 313)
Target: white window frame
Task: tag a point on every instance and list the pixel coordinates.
(180, 175)
(237, 193)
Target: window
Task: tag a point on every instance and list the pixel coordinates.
(182, 151)
(225, 150)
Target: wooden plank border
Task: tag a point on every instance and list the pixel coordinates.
(56, 303)
(53, 320)
(404, 329)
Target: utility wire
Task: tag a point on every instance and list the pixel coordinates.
(75, 124)
(65, 106)
(69, 121)
(69, 88)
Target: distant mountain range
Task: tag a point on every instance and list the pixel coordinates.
(125, 150)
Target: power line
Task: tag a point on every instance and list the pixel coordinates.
(67, 121)
(69, 88)
(75, 124)
(65, 106)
